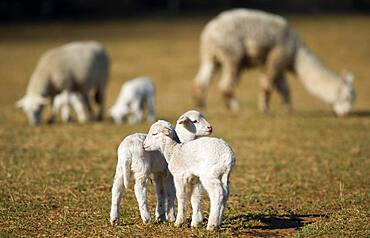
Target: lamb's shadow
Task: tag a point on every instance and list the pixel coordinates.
(271, 222)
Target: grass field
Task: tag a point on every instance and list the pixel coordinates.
(304, 175)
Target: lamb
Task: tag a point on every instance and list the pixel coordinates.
(242, 38)
(75, 67)
(131, 100)
(63, 101)
(208, 160)
(133, 159)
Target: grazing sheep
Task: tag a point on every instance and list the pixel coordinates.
(75, 67)
(208, 160)
(133, 158)
(131, 100)
(243, 38)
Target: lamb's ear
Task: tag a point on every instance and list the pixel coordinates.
(20, 103)
(183, 120)
(347, 77)
(166, 131)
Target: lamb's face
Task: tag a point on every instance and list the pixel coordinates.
(156, 135)
(118, 112)
(195, 122)
(346, 97)
(32, 105)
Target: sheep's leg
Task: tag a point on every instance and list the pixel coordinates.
(202, 80)
(274, 67)
(182, 196)
(77, 105)
(215, 192)
(150, 103)
(170, 195)
(282, 87)
(141, 188)
(196, 204)
(230, 77)
(117, 191)
(89, 108)
(99, 99)
(160, 193)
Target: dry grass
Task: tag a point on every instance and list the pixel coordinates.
(300, 175)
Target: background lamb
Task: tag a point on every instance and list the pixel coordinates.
(208, 160)
(242, 38)
(134, 95)
(133, 158)
(75, 67)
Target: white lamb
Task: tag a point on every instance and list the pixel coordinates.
(244, 38)
(208, 160)
(133, 96)
(81, 67)
(62, 103)
(133, 158)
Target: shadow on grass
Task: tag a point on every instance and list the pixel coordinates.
(262, 223)
(360, 114)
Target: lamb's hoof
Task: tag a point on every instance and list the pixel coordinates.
(114, 221)
(171, 218)
(211, 227)
(147, 220)
(178, 223)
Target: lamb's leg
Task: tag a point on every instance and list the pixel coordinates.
(117, 191)
(77, 105)
(150, 103)
(274, 66)
(196, 204)
(202, 80)
(182, 197)
(215, 192)
(160, 193)
(136, 112)
(170, 195)
(230, 77)
(226, 190)
(141, 188)
(282, 87)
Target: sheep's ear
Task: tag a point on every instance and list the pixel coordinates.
(20, 103)
(183, 120)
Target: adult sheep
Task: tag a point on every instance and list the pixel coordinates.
(243, 38)
(75, 67)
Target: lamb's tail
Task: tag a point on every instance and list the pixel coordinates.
(124, 165)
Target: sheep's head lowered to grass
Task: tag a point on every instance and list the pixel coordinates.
(346, 95)
(32, 105)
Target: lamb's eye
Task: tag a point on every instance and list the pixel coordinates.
(195, 121)
(154, 134)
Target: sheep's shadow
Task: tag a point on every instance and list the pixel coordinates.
(270, 222)
(363, 113)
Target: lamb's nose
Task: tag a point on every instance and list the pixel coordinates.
(209, 128)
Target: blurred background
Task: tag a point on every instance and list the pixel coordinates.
(18, 10)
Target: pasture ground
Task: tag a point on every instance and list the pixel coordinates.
(301, 175)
